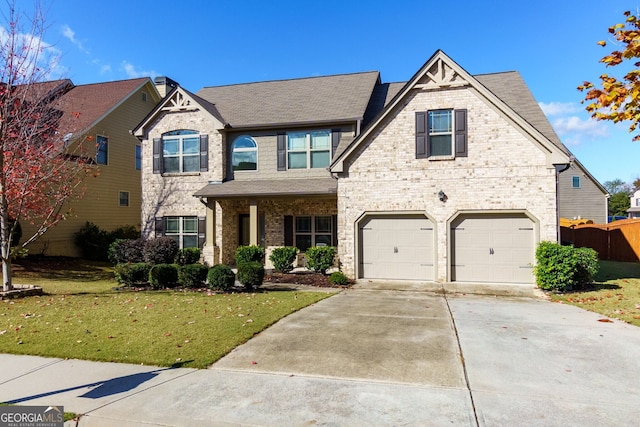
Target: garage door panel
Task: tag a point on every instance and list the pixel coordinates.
(492, 248)
(397, 248)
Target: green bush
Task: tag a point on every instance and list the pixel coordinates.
(188, 256)
(92, 241)
(320, 258)
(192, 275)
(221, 278)
(161, 250)
(251, 274)
(163, 276)
(283, 258)
(337, 278)
(126, 250)
(249, 254)
(132, 274)
(564, 268)
(126, 232)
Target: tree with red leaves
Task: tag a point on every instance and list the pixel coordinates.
(41, 169)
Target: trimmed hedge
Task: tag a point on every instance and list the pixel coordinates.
(221, 278)
(132, 274)
(337, 278)
(163, 276)
(192, 275)
(161, 250)
(564, 268)
(282, 258)
(320, 258)
(251, 274)
(249, 254)
(188, 256)
(121, 251)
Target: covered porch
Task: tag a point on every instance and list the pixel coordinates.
(268, 213)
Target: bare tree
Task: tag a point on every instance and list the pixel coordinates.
(41, 169)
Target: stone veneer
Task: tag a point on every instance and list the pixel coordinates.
(504, 171)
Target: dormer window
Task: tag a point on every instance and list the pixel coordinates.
(244, 154)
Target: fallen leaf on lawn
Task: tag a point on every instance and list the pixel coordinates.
(254, 362)
(167, 334)
(605, 320)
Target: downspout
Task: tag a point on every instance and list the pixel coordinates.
(559, 169)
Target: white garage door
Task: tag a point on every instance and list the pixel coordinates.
(496, 248)
(399, 247)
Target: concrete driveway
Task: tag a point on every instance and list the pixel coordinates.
(372, 358)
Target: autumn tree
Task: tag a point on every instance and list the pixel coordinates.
(40, 169)
(618, 99)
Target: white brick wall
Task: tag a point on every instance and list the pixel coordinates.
(503, 171)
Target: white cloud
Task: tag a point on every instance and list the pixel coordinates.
(132, 72)
(574, 129)
(70, 35)
(37, 59)
(559, 108)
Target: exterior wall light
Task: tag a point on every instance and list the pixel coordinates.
(443, 197)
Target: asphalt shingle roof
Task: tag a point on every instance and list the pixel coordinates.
(296, 101)
(270, 188)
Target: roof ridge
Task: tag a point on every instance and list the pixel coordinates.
(114, 81)
(291, 79)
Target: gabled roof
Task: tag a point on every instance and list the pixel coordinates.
(302, 101)
(85, 105)
(440, 71)
(179, 99)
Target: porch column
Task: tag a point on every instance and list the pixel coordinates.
(209, 253)
(253, 222)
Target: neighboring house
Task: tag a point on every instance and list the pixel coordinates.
(447, 177)
(102, 116)
(634, 210)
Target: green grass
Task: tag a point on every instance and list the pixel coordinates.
(83, 317)
(615, 293)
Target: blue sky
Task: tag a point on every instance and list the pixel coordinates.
(215, 42)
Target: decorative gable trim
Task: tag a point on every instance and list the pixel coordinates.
(179, 101)
(440, 75)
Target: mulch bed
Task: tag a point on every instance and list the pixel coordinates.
(301, 278)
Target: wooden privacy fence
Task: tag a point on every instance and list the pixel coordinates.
(616, 241)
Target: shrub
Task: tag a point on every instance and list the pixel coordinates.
(283, 258)
(337, 278)
(161, 250)
(163, 276)
(221, 278)
(563, 268)
(131, 274)
(249, 254)
(128, 250)
(320, 258)
(126, 232)
(188, 256)
(251, 274)
(92, 241)
(192, 275)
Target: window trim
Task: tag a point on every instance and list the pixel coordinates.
(313, 232)
(120, 199)
(576, 179)
(180, 235)
(308, 150)
(449, 133)
(459, 137)
(138, 159)
(253, 149)
(102, 141)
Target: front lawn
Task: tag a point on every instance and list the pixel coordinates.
(615, 293)
(83, 317)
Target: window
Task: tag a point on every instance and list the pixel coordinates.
(144, 97)
(441, 134)
(313, 231)
(138, 157)
(244, 154)
(575, 181)
(638, 202)
(102, 154)
(181, 151)
(183, 229)
(308, 149)
(123, 199)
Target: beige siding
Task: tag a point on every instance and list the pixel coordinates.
(586, 202)
(100, 202)
(504, 172)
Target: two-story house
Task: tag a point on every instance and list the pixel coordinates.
(102, 116)
(634, 209)
(446, 177)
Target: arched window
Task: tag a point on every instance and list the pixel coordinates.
(244, 154)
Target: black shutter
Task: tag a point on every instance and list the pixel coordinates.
(157, 155)
(202, 230)
(422, 135)
(282, 151)
(159, 226)
(335, 141)
(334, 230)
(461, 132)
(288, 230)
(204, 153)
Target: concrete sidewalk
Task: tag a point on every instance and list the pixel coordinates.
(371, 357)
